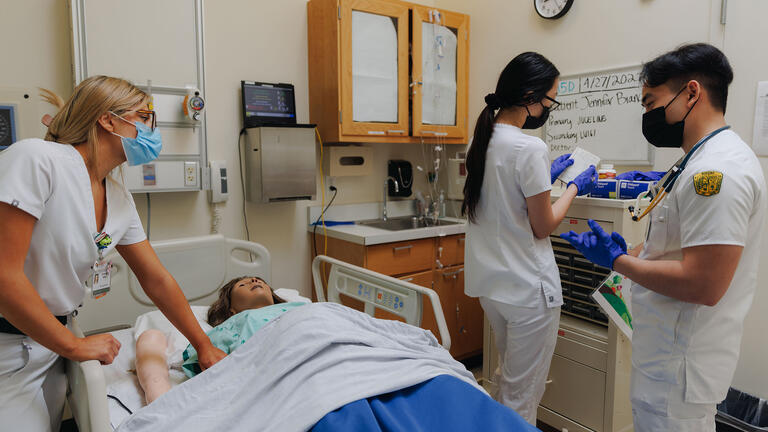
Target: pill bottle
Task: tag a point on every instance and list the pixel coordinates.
(606, 171)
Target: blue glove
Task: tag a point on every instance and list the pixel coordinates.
(559, 165)
(597, 245)
(620, 240)
(585, 181)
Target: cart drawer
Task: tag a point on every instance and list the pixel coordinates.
(576, 392)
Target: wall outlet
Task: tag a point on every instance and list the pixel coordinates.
(190, 174)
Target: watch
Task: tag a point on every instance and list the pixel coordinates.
(552, 9)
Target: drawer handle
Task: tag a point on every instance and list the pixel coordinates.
(396, 131)
(401, 248)
(410, 279)
(454, 273)
(462, 239)
(549, 381)
(435, 133)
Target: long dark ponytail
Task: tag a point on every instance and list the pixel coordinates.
(526, 79)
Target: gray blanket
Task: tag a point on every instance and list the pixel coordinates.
(299, 367)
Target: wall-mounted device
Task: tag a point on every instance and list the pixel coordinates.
(219, 184)
(402, 171)
(267, 104)
(280, 163)
(7, 125)
(194, 105)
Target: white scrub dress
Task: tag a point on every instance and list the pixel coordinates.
(512, 272)
(50, 182)
(684, 355)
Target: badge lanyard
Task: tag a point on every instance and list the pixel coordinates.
(659, 191)
(102, 269)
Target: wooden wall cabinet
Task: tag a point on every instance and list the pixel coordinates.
(436, 263)
(387, 71)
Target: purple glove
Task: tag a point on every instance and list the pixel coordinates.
(586, 181)
(559, 165)
(597, 245)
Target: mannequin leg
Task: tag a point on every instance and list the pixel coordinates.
(152, 364)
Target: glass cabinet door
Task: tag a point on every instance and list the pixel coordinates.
(440, 72)
(374, 65)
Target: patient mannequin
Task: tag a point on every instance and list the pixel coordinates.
(235, 296)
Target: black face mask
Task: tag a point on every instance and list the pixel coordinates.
(536, 122)
(660, 133)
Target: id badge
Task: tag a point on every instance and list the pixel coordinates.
(101, 278)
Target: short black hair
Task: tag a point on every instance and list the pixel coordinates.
(699, 61)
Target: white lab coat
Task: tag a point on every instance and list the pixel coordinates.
(50, 182)
(512, 272)
(684, 355)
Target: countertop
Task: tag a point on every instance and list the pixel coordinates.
(367, 235)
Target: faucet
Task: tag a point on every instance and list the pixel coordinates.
(386, 192)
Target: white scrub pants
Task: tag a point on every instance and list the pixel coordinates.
(660, 406)
(525, 339)
(33, 385)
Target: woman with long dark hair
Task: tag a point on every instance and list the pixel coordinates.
(508, 257)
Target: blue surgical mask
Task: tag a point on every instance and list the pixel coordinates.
(145, 147)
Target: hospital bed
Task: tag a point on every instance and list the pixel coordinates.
(201, 265)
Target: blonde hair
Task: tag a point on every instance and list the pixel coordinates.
(77, 119)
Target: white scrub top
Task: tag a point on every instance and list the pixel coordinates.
(703, 340)
(50, 182)
(503, 260)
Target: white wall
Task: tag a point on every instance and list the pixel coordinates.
(43, 59)
(599, 35)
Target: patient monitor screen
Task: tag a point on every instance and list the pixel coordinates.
(268, 103)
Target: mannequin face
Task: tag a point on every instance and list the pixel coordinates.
(250, 293)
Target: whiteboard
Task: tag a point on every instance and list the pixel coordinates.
(600, 112)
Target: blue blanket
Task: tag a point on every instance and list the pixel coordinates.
(443, 403)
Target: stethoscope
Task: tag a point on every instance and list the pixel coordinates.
(658, 191)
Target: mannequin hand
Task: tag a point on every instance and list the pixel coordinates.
(597, 245)
(559, 165)
(586, 181)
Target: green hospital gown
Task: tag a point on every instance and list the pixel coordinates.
(233, 332)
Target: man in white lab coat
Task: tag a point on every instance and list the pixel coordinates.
(695, 275)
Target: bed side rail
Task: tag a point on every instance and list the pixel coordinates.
(376, 290)
(87, 392)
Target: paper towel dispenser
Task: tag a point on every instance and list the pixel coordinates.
(280, 163)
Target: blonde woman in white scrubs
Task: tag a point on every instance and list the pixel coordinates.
(508, 256)
(61, 213)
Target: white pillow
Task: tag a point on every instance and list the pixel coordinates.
(291, 295)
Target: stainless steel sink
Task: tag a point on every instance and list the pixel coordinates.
(405, 223)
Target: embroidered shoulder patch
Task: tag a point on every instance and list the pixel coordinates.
(707, 183)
